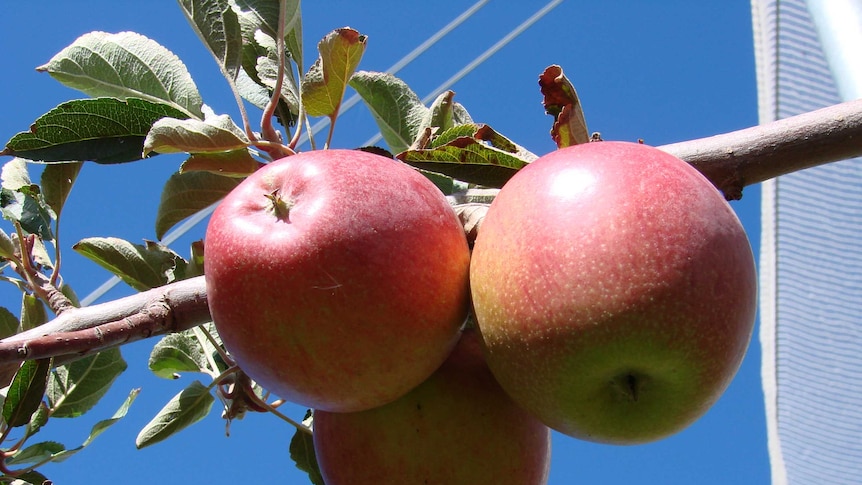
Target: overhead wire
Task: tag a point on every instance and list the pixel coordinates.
(467, 69)
(404, 61)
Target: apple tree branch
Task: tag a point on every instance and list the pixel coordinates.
(731, 161)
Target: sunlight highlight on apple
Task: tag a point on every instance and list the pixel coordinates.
(572, 183)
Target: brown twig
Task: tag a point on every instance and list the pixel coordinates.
(732, 161)
(80, 331)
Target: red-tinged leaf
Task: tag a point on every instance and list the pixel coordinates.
(471, 153)
(561, 101)
(324, 84)
(443, 114)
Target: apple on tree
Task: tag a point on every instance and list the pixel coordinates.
(337, 279)
(457, 428)
(615, 291)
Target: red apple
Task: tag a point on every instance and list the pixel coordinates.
(615, 290)
(456, 428)
(337, 279)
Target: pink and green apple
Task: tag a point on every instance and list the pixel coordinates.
(337, 279)
(615, 291)
(456, 428)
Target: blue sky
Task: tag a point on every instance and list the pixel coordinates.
(661, 71)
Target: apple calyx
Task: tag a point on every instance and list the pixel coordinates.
(280, 207)
(628, 385)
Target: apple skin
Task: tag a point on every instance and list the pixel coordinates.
(351, 293)
(456, 428)
(615, 290)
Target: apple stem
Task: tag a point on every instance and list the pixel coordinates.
(280, 207)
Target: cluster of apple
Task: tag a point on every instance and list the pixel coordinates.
(613, 288)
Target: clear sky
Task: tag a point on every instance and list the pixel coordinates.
(662, 71)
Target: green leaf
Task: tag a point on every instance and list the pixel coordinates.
(40, 253)
(398, 111)
(103, 130)
(101, 426)
(67, 290)
(38, 419)
(126, 65)
(561, 101)
(56, 452)
(235, 163)
(21, 200)
(36, 453)
(250, 88)
(302, 452)
(186, 408)
(26, 391)
(259, 23)
(293, 32)
(33, 312)
(257, 20)
(56, 182)
(178, 352)
(31, 477)
(74, 388)
(26, 207)
(471, 153)
(141, 266)
(8, 323)
(217, 134)
(266, 70)
(263, 15)
(104, 424)
(187, 193)
(443, 114)
(445, 183)
(7, 247)
(324, 84)
(218, 27)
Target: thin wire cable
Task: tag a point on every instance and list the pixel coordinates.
(421, 48)
(480, 59)
(195, 219)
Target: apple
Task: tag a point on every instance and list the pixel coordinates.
(337, 279)
(615, 291)
(456, 428)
